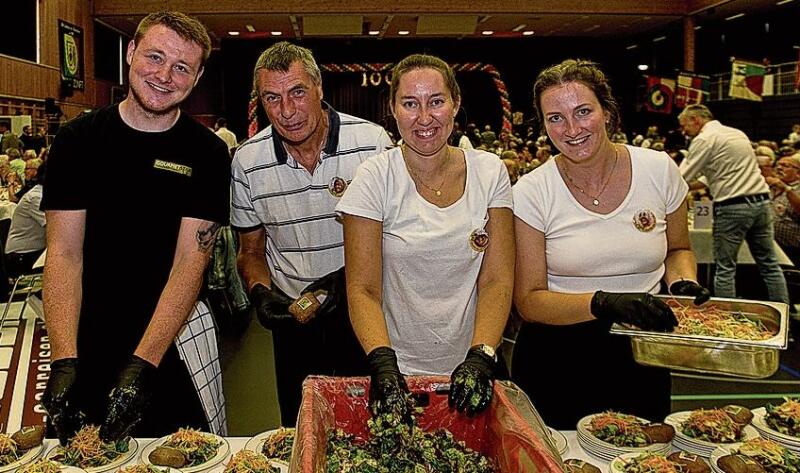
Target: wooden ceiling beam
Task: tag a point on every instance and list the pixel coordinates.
(336, 7)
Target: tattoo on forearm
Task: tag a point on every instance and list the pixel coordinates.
(206, 235)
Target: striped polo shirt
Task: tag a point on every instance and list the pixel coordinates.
(270, 189)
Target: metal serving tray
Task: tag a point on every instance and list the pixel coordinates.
(715, 355)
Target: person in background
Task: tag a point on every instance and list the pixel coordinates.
(132, 351)
(8, 140)
(786, 205)
(429, 249)
(19, 189)
(742, 211)
(511, 162)
(26, 236)
(766, 161)
(287, 179)
(598, 228)
(221, 130)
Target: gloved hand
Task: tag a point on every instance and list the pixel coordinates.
(388, 392)
(686, 287)
(128, 400)
(471, 383)
(639, 309)
(272, 305)
(335, 288)
(57, 399)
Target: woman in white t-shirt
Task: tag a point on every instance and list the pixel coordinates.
(598, 228)
(429, 249)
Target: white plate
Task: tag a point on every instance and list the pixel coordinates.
(256, 443)
(222, 453)
(133, 446)
(29, 456)
(559, 440)
(678, 418)
(164, 469)
(590, 440)
(760, 423)
(618, 463)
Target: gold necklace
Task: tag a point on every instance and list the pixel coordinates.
(595, 199)
(437, 191)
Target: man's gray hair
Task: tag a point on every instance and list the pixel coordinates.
(697, 110)
(280, 57)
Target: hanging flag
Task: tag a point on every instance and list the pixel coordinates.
(660, 94)
(692, 89)
(747, 80)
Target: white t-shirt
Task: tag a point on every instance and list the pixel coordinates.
(623, 251)
(430, 269)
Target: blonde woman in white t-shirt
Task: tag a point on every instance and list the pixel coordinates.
(598, 228)
(429, 249)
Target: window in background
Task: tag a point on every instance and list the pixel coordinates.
(18, 35)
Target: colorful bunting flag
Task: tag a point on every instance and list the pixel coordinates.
(660, 94)
(747, 80)
(692, 89)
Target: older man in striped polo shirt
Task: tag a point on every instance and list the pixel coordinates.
(287, 180)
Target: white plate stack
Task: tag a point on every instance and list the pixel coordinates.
(699, 447)
(606, 451)
(760, 423)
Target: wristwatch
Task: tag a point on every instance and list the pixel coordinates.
(487, 350)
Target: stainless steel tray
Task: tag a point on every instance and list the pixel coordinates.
(715, 355)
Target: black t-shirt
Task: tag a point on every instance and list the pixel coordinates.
(135, 187)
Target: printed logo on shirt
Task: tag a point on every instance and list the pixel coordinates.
(337, 186)
(644, 220)
(173, 167)
(479, 240)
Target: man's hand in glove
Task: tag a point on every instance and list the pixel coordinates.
(271, 304)
(686, 287)
(388, 393)
(335, 288)
(471, 382)
(58, 399)
(639, 309)
(128, 399)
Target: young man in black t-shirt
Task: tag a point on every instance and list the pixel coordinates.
(127, 251)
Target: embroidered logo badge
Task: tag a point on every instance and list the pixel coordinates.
(173, 167)
(644, 220)
(337, 186)
(479, 240)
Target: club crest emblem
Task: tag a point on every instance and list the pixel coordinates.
(337, 186)
(479, 240)
(644, 220)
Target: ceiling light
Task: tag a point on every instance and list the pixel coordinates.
(527, 33)
(233, 33)
(250, 28)
(403, 32)
(275, 33)
(660, 38)
(783, 2)
(518, 28)
(374, 32)
(487, 32)
(632, 46)
(698, 27)
(733, 17)
(643, 67)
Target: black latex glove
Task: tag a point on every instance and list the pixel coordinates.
(128, 400)
(388, 392)
(272, 305)
(639, 309)
(335, 289)
(471, 383)
(58, 401)
(690, 288)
